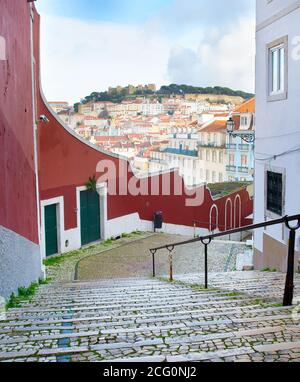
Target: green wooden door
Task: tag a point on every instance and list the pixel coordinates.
(89, 216)
(51, 230)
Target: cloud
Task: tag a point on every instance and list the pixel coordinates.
(226, 60)
(91, 56)
(197, 42)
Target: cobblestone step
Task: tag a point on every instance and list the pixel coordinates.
(158, 317)
(162, 342)
(133, 307)
(132, 302)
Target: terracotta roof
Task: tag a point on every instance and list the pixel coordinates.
(214, 127)
(110, 139)
(246, 107)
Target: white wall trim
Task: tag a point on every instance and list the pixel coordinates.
(214, 207)
(228, 201)
(237, 198)
(102, 191)
(283, 13)
(59, 201)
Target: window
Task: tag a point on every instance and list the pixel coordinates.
(215, 139)
(214, 177)
(220, 177)
(277, 58)
(207, 176)
(244, 121)
(208, 155)
(277, 68)
(244, 160)
(214, 157)
(275, 192)
(220, 157)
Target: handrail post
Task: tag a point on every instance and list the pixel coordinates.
(194, 229)
(289, 283)
(206, 244)
(206, 265)
(171, 249)
(153, 262)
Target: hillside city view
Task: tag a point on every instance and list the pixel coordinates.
(149, 176)
(175, 127)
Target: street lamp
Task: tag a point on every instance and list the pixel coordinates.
(245, 136)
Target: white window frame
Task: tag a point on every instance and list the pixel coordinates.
(280, 94)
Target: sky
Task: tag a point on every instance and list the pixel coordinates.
(89, 45)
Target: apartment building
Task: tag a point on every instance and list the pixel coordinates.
(277, 155)
(240, 153)
(212, 151)
(180, 153)
(152, 108)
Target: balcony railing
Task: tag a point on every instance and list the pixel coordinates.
(243, 170)
(190, 153)
(211, 145)
(231, 146)
(231, 168)
(244, 147)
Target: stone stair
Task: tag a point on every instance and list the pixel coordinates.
(149, 320)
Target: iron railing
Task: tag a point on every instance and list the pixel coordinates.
(206, 240)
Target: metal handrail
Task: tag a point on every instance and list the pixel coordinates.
(206, 240)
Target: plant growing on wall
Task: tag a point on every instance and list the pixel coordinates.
(91, 185)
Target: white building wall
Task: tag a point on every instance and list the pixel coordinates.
(277, 122)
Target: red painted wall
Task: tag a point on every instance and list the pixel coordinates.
(65, 163)
(18, 207)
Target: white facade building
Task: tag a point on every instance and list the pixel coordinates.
(152, 108)
(181, 153)
(277, 155)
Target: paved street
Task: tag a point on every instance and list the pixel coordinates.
(135, 260)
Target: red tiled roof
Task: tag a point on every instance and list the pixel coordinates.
(214, 127)
(246, 107)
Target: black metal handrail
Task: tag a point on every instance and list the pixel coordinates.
(206, 240)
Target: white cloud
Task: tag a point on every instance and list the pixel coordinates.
(79, 57)
(228, 60)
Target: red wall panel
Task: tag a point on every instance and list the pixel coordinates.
(18, 206)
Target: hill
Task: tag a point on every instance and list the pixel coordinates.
(212, 94)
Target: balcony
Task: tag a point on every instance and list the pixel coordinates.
(211, 145)
(231, 146)
(244, 147)
(243, 170)
(190, 153)
(231, 168)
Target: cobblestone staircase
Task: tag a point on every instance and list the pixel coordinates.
(152, 320)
